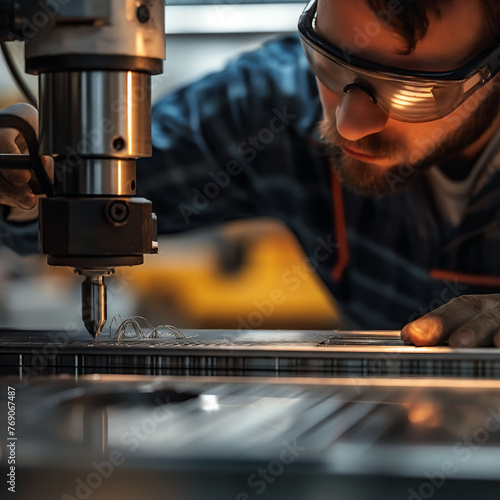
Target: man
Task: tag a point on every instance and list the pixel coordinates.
(414, 223)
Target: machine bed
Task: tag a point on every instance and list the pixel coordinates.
(271, 438)
(242, 353)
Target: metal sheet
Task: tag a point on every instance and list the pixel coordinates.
(259, 353)
(201, 438)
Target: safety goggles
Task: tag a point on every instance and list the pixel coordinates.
(410, 96)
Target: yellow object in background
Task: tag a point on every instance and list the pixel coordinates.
(245, 275)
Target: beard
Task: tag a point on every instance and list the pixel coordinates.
(375, 181)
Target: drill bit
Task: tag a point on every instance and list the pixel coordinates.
(94, 304)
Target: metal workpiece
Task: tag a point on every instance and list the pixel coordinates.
(355, 355)
(95, 177)
(103, 114)
(130, 36)
(94, 305)
(265, 438)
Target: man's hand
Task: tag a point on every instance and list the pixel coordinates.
(466, 321)
(14, 184)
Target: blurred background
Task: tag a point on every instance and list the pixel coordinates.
(227, 277)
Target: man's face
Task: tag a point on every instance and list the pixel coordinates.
(377, 155)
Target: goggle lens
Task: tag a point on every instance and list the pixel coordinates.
(410, 101)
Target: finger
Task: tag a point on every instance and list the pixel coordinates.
(17, 178)
(34, 182)
(9, 146)
(12, 142)
(8, 138)
(22, 144)
(25, 111)
(496, 339)
(12, 136)
(424, 331)
(478, 331)
(22, 177)
(48, 164)
(23, 200)
(435, 327)
(14, 196)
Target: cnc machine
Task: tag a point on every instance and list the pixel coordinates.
(94, 61)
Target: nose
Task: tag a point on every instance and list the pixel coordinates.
(358, 116)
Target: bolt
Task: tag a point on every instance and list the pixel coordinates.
(118, 212)
(143, 13)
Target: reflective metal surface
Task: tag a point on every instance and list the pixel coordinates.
(95, 113)
(187, 438)
(242, 353)
(94, 305)
(96, 177)
(119, 33)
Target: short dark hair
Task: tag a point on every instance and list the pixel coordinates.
(412, 21)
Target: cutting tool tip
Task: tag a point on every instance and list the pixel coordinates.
(94, 305)
(94, 329)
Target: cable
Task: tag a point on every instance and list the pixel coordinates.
(18, 77)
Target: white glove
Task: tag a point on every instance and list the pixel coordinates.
(14, 188)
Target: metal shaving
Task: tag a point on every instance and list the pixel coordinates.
(131, 329)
